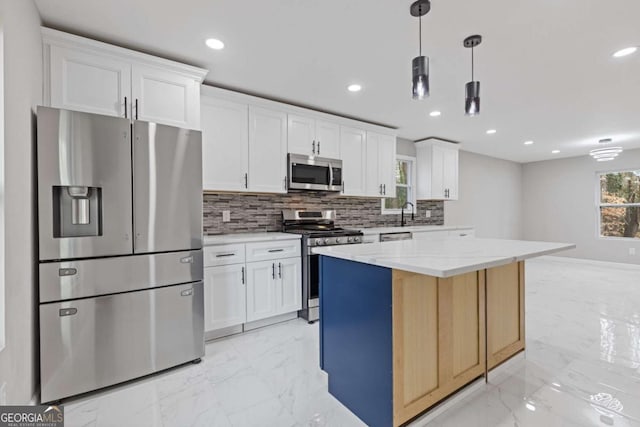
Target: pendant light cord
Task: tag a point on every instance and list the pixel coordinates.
(420, 33)
(472, 63)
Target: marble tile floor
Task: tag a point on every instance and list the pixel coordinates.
(582, 368)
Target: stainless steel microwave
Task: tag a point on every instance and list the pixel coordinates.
(314, 173)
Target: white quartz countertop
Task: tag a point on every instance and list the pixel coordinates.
(414, 228)
(223, 239)
(444, 257)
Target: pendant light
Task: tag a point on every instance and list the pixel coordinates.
(420, 64)
(472, 88)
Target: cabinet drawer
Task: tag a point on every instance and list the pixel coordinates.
(223, 255)
(462, 233)
(273, 250)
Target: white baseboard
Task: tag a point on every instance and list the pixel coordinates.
(270, 321)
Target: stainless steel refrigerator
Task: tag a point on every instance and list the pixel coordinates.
(120, 250)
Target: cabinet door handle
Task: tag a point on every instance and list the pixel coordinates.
(246, 180)
(342, 187)
(136, 108)
(313, 147)
(285, 182)
(125, 108)
(384, 189)
(380, 189)
(276, 250)
(318, 147)
(280, 270)
(242, 275)
(273, 270)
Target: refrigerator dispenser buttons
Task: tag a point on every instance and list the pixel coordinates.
(67, 272)
(68, 311)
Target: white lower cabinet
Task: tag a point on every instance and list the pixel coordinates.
(273, 288)
(261, 290)
(265, 283)
(289, 287)
(225, 297)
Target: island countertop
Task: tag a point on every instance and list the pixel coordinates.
(443, 257)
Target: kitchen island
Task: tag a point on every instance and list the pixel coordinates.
(404, 325)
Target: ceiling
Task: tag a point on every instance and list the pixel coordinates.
(545, 66)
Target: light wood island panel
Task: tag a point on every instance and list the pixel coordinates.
(438, 338)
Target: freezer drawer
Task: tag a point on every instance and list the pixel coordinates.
(92, 343)
(84, 185)
(93, 277)
(167, 188)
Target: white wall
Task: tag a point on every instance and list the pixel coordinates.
(22, 92)
(559, 199)
(489, 197)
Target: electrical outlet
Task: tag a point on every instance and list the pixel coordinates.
(226, 216)
(632, 251)
(428, 213)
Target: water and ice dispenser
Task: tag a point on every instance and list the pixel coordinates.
(77, 211)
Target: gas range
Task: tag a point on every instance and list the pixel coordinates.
(318, 228)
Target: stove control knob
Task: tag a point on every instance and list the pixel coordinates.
(319, 242)
(337, 240)
(349, 239)
(356, 239)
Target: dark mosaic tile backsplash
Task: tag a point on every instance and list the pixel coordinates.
(262, 212)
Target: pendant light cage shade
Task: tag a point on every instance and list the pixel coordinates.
(472, 99)
(420, 71)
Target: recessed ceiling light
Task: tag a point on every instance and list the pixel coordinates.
(491, 131)
(624, 52)
(435, 113)
(555, 151)
(354, 88)
(214, 44)
(528, 142)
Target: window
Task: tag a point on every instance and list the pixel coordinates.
(405, 190)
(619, 204)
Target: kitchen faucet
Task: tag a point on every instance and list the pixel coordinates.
(413, 208)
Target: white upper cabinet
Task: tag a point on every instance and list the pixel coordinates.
(81, 80)
(381, 165)
(86, 75)
(353, 145)
(267, 150)
(437, 170)
(312, 137)
(225, 145)
(163, 96)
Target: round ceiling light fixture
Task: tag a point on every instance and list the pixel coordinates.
(528, 143)
(354, 88)
(491, 131)
(214, 44)
(625, 52)
(555, 151)
(605, 154)
(435, 113)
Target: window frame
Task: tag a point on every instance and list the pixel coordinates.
(411, 184)
(600, 205)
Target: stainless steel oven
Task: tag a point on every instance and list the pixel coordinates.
(314, 173)
(317, 229)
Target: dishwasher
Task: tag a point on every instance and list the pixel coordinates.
(392, 237)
